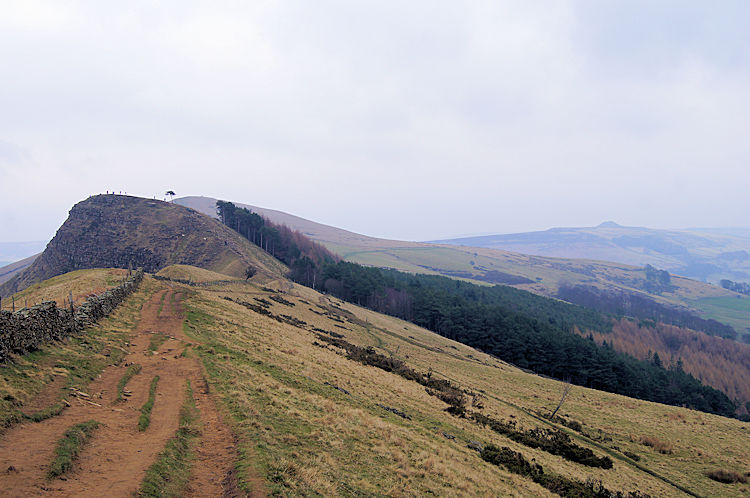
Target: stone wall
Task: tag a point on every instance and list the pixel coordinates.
(199, 284)
(29, 328)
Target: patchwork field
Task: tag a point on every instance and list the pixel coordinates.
(734, 310)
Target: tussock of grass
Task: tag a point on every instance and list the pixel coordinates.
(129, 373)
(49, 412)
(69, 447)
(161, 304)
(727, 477)
(157, 339)
(169, 475)
(145, 419)
(663, 447)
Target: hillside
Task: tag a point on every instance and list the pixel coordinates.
(116, 231)
(306, 412)
(542, 275)
(77, 284)
(717, 362)
(15, 251)
(709, 256)
(9, 271)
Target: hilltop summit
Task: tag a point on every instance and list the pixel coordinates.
(609, 224)
(118, 231)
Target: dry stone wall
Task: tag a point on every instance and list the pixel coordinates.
(29, 328)
(198, 284)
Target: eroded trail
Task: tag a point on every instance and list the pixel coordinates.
(116, 461)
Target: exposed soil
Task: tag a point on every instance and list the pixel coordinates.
(48, 396)
(115, 462)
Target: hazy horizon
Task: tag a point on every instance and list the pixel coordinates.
(4, 244)
(404, 121)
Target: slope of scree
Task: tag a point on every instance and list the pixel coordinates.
(116, 231)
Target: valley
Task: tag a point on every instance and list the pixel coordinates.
(214, 380)
(488, 266)
(305, 417)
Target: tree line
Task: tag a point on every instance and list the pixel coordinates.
(720, 363)
(304, 257)
(530, 331)
(623, 304)
(519, 327)
(740, 287)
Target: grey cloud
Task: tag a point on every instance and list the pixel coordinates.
(388, 118)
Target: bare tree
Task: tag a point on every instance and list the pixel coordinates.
(566, 389)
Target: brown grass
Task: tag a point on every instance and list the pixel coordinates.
(663, 447)
(185, 272)
(726, 477)
(309, 437)
(82, 283)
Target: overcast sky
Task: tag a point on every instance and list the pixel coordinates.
(413, 120)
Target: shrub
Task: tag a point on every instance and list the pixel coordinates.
(632, 455)
(563, 486)
(552, 441)
(726, 476)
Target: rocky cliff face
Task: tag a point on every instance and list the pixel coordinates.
(115, 231)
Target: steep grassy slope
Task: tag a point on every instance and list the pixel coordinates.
(80, 283)
(11, 270)
(312, 420)
(120, 231)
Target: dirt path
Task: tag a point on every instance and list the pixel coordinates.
(115, 462)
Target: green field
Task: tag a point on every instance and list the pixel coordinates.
(732, 310)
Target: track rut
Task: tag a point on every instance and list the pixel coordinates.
(116, 460)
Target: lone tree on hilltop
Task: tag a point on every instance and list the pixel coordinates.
(170, 194)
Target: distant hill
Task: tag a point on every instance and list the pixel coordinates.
(115, 231)
(10, 270)
(704, 254)
(539, 274)
(11, 252)
(330, 236)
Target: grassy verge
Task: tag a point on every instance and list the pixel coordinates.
(161, 304)
(82, 358)
(157, 339)
(169, 475)
(69, 447)
(145, 419)
(49, 412)
(129, 373)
